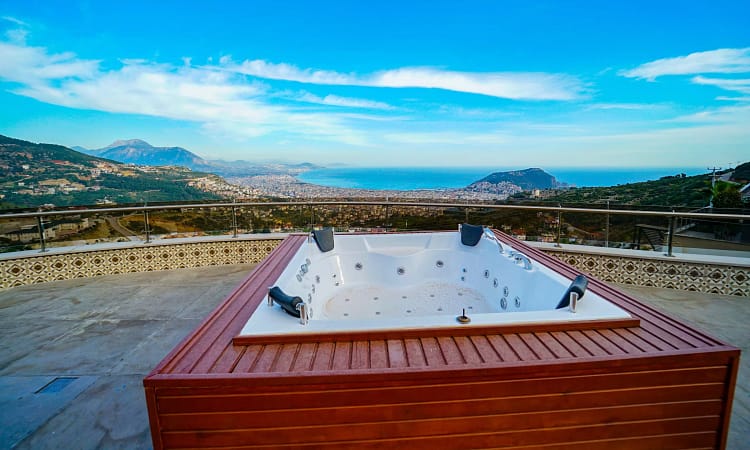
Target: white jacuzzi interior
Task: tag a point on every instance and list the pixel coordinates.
(419, 280)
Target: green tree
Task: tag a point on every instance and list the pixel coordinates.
(726, 195)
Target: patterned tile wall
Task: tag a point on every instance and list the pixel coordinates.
(710, 278)
(688, 276)
(39, 269)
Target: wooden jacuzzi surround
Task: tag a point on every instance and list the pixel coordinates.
(652, 383)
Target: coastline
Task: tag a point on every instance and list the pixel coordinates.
(293, 185)
(289, 186)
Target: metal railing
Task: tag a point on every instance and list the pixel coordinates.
(673, 217)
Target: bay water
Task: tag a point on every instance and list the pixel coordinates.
(412, 178)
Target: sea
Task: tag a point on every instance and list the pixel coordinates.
(413, 178)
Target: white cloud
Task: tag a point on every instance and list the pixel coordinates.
(31, 65)
(15, 21)
(725, 60)
(219, 100)
(625, 106)
(335, 100)
(733, 99)
(725, 115)
(511, 85)
(737, 85)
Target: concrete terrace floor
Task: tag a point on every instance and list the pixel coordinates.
(98, 338)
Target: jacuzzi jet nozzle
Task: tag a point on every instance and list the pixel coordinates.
(463, 318)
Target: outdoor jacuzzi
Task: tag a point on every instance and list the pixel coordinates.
(389, 281)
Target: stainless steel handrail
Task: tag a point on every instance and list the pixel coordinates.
(673, 216)
(627, 212)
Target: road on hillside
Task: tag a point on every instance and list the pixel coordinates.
(121, 229)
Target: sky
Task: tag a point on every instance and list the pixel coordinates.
(386, 83)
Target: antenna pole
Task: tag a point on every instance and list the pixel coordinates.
(713, 184)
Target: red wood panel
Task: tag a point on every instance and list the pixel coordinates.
(593, 407)
(509, 387)
(682, 441)
(515, 429)
(696, 383)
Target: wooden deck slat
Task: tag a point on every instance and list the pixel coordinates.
(569, 343)
(342, 355)
(602, 342)
(414, 354)
(285, 358)
(433, 352)
(503, 348)
(323, 356)
(662, 339)
(655, 340)
(617, 340)
(361, 355)
(396, 353)
(486, 350)
(636, 340)
(551, 341)
(537, 346)
(582, 340)
(202, 340)
(450, 350)
(225, 328)
(520, 348)
(378, 354)
(227, 359)
(266, 359)
(303, 361)
(247, 360)
(468, 350)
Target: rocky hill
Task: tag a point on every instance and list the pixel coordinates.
(527, 179)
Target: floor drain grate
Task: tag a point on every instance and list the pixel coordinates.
(56, 385)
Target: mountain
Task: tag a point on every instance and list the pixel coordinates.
(136, 151)
(34, 174)
(527, 179)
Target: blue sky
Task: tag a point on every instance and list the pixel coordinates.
(502, 84)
